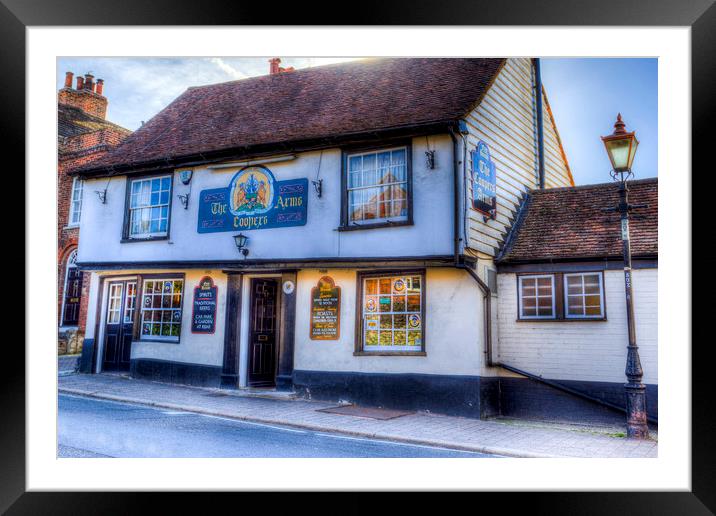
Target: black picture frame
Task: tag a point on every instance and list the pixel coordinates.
(699, 15)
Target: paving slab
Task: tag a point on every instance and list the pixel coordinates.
(492, 436)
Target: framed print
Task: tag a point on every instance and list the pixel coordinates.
(483, 273)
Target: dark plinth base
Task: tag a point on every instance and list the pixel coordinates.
(176, 372)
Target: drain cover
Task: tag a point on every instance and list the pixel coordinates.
(373, 413)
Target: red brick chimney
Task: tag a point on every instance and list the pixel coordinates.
(274, 66)
(87, 96)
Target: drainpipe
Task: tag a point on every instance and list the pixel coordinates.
(540, 124)
(460, 264)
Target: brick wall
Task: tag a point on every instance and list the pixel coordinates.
(585, 351)
(88, 101)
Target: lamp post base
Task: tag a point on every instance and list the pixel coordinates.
(637, 427)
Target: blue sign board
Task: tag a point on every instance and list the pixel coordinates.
(484, 190)
(253, 200)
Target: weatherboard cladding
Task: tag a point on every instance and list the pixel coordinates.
(323, 102)
(570, 223)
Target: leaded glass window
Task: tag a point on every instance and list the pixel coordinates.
(161, 309)
(392, 309)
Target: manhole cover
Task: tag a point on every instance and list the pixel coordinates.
(373, 413)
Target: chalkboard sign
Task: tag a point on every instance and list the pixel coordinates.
(203, 313)
(325, 310)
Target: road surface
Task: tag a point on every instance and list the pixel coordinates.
(90, 427)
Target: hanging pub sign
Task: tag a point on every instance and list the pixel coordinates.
(325, 310)
(253, 200)
(203, 313)
(484, 191)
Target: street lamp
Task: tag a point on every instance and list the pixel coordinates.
(621, 148)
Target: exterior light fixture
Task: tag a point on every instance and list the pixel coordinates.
(240, 241)
(102, 194)
(621, 147)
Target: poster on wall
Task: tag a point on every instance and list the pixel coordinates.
(484, 190)
(325, 310)
(253, 200)
(203, 313)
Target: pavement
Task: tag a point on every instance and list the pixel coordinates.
(118, 429)
(67, 364)
(513, 438)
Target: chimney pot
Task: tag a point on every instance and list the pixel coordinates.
(89, 85)
(100, 85)
(80, 82)
(68, 79)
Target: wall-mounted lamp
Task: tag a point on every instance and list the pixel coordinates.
(102, 194)
(430, 159)
(240, 241)
(318, 187)
(184, 198)
(185, 176)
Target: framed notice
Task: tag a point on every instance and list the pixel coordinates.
(325, 310)
(203, 312)
(484, 190)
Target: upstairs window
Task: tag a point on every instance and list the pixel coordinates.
(75, 202)
(378, 187)
(148, 207)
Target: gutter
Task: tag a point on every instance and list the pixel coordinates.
(487, 293)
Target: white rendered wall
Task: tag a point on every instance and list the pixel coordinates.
(431, 233)
(453, 328)
(588, 351)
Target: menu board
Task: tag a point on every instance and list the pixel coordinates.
(325, 310)
(203, 313)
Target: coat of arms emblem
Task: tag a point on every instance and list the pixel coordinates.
(252, 190)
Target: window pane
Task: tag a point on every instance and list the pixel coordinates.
(387, 314)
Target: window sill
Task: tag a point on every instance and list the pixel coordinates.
(390, 354)
(156, 340)
(148, 239)
(356, 227)
(571, 319)
(71, 226)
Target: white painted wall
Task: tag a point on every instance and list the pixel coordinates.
(431, 233)
(195, 348)
(590, 351)
(453, 326)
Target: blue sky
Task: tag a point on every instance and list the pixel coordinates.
(585, 96)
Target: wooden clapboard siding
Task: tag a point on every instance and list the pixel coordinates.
(505, 120)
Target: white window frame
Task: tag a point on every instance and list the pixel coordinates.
(519, 297)
(567, 315)
(75, 202)
(156, 234)
(406, 183)
(142, 310)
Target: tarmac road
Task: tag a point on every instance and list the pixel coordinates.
(90, 427)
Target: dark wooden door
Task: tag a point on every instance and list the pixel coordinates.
(119, 324)
(73, 294)
(262, 333)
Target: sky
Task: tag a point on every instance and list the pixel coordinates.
(585, 95)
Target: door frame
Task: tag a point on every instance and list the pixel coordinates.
(123, 306)
(100, 325)
(245, 323)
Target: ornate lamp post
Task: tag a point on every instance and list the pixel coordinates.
(621, 148)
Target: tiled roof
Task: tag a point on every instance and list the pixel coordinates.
(322, 102)
(569, 223)
(72, 121)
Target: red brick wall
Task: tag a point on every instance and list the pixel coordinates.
(74, 152)
(88, 101)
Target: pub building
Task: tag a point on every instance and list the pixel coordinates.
(362, 232)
